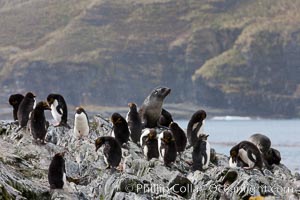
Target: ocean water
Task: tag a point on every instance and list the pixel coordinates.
(224, 132)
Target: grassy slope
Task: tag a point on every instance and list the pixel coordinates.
(150, 38)
(280, 17)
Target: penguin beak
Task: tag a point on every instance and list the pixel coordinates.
(46, 106)
(164, 140)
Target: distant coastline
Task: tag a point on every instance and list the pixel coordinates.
(179, 111)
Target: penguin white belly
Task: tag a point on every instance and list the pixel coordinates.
(244, 156)
(112, 133)
(144, 133)
(56, 116)
(145, 150)
(162, 154)
(81, 126)
(34, 104)
(161, 151)
(205, 165)
(232, 164)
(127, 117)
(105, 160)
(201, 130)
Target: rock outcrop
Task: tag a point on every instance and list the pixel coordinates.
(24, 167)
(228, 54)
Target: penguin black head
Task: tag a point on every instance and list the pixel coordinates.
(15, 99)
(50, 99)
(165, 118)
(152, 134)
(132, 106)
(200, 115)
(203, 137)
(160, 92)
(173, 125)
(61, 154)
(233, 153)
(99, 142)
(167, 137)
(79, 110)
(30, 95)
(42, 105)
(116, 118)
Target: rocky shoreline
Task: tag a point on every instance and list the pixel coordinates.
(24, 168)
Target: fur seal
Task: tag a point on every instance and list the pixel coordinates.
(59, 109)
(134, 123)
(81, 123)
(151, 108)
(201, 153)
(165, 118)
(248, 153)
(167, 148)
(15, 100)
(195, 126)
(25, 107)
(149, 143)
(112, 150)
(120, 129)
(262, 142)
(56, 171)
(38, 123)
(179, 136)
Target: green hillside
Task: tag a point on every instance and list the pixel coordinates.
(241, 55)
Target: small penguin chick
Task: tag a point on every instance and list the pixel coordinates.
(201, 153)
(120, 129)
(273, 157)
(112, 150)
(134, 123)
(38, 123)
(150, 144)
(56, 171)
(81, 123)
(179, 136)
(167, 148)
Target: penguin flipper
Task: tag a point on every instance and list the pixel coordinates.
(106, 150)
(196, 127)
(251, 156)
(59, 109)
(205, 158)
